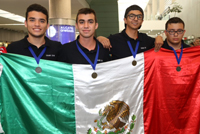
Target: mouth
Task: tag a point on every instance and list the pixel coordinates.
(135, 23)
(86, 31)
(36, 29)
(176, 39)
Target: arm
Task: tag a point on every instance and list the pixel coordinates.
(158, 43)
(104, 41)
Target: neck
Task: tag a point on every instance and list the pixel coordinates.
(175, 46)
(88, 43)
(38, 42)
(132, 33)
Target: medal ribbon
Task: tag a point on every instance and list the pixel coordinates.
(39, 57)
(178, 59)
(86, 57)
(131, 48)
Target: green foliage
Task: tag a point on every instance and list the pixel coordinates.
(99, 132)
(132, 126)
(133, 117)
(89, 131)
(111, 133)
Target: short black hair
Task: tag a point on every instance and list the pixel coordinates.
(38, 8)
(86, 11)
(133, 7)
(174, 20)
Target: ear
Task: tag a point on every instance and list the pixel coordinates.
(48, 25)
(125, 21)
(25, 23)
(184, 32)
(96, 25)
(165, 32)
(142, 22)
(76, 26)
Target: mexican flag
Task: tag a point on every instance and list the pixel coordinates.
(149, 98)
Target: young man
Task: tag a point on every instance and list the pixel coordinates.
(85, 49)
(174, 31)
(36, 41)
(133, 19)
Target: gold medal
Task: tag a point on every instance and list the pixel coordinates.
(134, 63)
(94, 75)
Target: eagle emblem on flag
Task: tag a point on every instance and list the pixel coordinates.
(114, 119)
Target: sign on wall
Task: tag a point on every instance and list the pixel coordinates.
(62, 33)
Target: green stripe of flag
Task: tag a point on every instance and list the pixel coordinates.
(34, 103)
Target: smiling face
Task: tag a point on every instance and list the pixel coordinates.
(178, 32)
(86, 25)
(36, 24)
(133, 23)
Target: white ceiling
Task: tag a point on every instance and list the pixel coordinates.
(19, 7)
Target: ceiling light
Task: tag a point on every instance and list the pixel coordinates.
(11, 16)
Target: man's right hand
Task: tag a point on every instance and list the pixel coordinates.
(104, 41)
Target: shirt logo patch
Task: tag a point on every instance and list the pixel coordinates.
(143, 48)
(50, 55)
(100, 60)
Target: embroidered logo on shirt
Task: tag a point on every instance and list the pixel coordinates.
(143, 48)
(100, 60)
(50, 55)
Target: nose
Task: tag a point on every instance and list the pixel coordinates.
(86, 24)
(136, 18)
(176, 33)
(37, 22)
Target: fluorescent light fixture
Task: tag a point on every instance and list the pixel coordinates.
(11, 16)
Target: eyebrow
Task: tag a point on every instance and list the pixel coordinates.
(175, 29)
(86, 20)
(31, 18)
(135, 14)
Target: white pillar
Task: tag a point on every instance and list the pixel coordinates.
(60, 9)
(60, 12)
(161, 6)
(154, 8)
(149, 12)
(145, 14)
(62, 26)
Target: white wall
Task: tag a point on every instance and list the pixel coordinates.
(191, 16)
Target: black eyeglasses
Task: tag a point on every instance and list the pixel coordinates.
(132, 16)
(172, 32)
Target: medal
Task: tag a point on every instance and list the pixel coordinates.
(178, 68)
(178, 59)
(134, 63)
(38, 70)
(94, 75)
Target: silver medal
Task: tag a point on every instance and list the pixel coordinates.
(38, 70)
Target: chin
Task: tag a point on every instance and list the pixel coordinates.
(37, 35)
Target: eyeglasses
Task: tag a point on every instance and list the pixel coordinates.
(132, 16)
(172, 32)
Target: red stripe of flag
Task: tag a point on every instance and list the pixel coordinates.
(172, 98)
